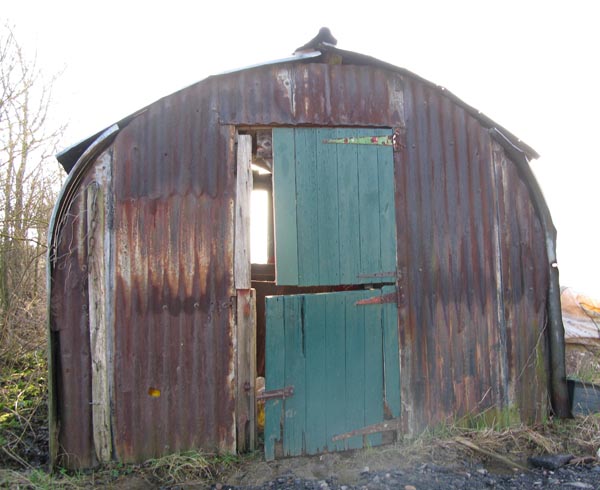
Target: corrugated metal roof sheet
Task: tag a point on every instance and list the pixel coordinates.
(69, 156)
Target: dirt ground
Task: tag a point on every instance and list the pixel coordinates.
(463, 460)
(466, 460)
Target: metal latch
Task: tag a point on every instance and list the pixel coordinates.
(282, 393)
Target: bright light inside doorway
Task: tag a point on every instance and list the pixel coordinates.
(259, 227)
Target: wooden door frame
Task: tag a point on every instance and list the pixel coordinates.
(244, 331)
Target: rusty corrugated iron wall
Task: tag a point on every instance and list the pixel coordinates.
(171, 234)
(525, 290)
(472, 260)
(313, 94)
(173, 217)
(174, 307)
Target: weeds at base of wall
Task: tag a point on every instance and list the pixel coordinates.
(23, 448)
(443, 445)
(23, 411)
(191, 468)
(578, 436)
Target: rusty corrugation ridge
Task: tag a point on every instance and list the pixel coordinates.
(234, 99)
(525, 290)
(69, 325)
(173, 310)
(315, 94)
(451, 332)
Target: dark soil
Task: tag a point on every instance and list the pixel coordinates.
(441, 464)
(468, 475)
(440, 477)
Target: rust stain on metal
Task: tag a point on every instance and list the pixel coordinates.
(173, 313)
(459, 314)
(313, 93)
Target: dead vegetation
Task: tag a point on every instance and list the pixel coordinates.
(23, 453)
(447, 445)
(23, 448)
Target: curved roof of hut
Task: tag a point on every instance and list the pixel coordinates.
(326, 53)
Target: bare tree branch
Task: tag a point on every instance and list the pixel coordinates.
(28, 187)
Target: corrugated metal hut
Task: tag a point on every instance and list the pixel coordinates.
(411, 277)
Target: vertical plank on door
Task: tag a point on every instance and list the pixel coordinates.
(355, 366)
(328, 213)
(307, 206)
(284, 192)
(275, 362)
(349, 251)
(335, 369)
(373, 369)
(294, 407)
(387, 210)
(368, 197)
(391, 354)
(317, 396)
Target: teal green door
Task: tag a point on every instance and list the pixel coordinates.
(334, 207)
(342, 361)
(334, 226)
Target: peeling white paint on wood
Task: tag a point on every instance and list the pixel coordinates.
(97, 239)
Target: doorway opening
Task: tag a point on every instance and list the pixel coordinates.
(322, 221)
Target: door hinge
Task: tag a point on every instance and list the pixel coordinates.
(384, 426)
(378, 274)
(395, 140)
(378, 300)
(362, 140)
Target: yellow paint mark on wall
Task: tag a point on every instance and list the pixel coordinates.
(154, 392)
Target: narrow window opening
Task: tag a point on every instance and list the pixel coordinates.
(259, 227)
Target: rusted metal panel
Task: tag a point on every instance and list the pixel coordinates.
(313, 93)
(452, 337)
(524, 294)
(174, 307)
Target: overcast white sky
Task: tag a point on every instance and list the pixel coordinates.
(532, 66)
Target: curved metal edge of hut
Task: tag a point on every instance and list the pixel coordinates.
(101, 141)
(559, 389)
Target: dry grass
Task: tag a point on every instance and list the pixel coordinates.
(443, 446)
(190, 468)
